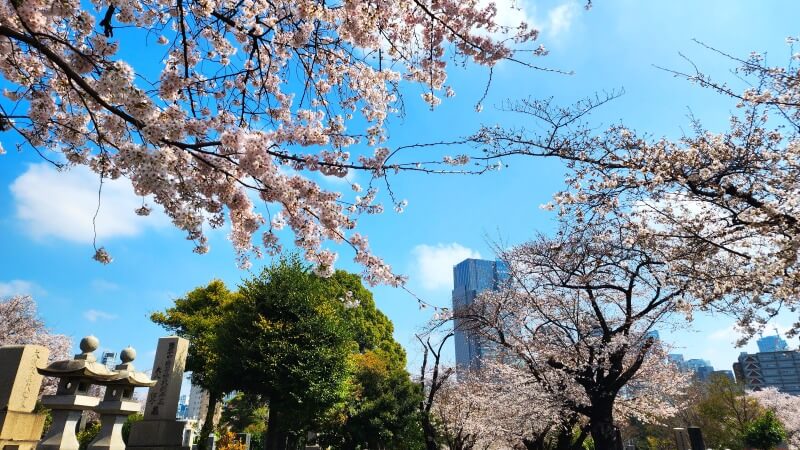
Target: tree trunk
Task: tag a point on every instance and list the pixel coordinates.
(276, 432)
(430, 433)
(601, 426)
(208, 423)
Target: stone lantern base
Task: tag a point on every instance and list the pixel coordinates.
(157, 434)
(67, 411)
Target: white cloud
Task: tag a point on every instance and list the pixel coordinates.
(511, 13)
(57, 204)
(19, 287)
(434, 263)
(93, 315)
(555, 23)
(559, 19)
(728, 334)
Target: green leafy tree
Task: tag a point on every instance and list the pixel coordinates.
(764, 433)
(87, 435)
(381, 410)
(245, 413)
(198, 317)
(288, 343)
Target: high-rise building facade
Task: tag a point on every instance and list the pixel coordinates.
(109, 359)
(771, 344)
(470, 278)
(780, 370)
(701, 368)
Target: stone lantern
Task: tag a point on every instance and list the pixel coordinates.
(72, 396)
(118, 402)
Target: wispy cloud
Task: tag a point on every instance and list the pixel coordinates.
(434, 263)
(93, 315)
(560, 18)
(57, 204)
(19, 287)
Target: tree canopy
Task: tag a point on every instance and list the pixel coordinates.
(225, 99)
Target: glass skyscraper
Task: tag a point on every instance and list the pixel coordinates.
(470, 278)
(771, 344)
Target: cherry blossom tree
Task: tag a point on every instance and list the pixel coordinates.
(576, 314)
(731, 196)
(786, 408)
(501, 404)
(433, 377)
(20, 325)
(209, 107)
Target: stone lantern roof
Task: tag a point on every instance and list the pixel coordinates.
(83, 365)
(125, 373)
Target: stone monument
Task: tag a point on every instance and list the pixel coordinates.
(72, 396)
(118, 403)
(20, 427)
(159, 430)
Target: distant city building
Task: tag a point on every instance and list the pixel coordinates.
(109, 359)
(780, 370)
(197, 407)
(198, 403)
(470, 278)
(653, 334)
(771, 344)
(183, 408)
(701, 368)
(677, 359)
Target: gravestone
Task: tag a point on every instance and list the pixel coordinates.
(159, 430)
(696, 438)
(20, 382)
(682, 439)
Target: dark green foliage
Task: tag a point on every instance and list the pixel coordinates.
(381, 409)
(764, 433)
(287, 339)
(291, 345)
(88, 434)
(245, 413)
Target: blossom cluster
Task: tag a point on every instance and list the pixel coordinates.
(722, 207)
(248, 98)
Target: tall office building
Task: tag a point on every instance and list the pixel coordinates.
(771, 344)
(197, 408)
(701, 368)
(780, 369)
(470, 278)
(109, 359)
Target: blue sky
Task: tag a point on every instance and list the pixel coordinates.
(45, 216)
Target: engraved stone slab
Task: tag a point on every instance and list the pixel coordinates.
(168, 367)
(19, 380)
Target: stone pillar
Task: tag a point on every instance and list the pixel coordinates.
(118, 403)
(696, 438)
(20, 427)
(160, 430)
(682, 439)
(72, 396)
